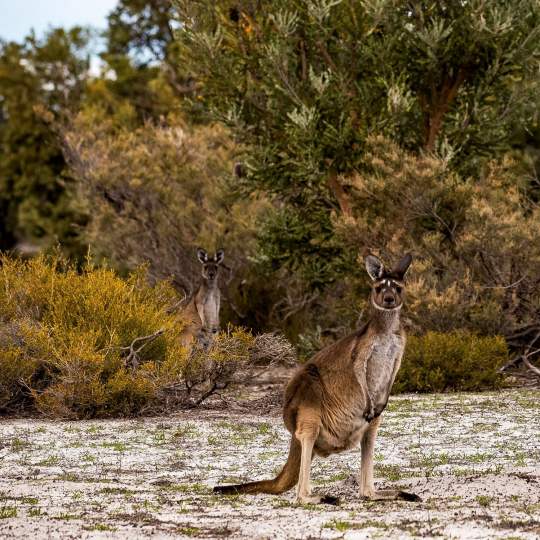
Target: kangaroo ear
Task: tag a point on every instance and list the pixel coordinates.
(374, 267)
(202, 255)
(402, 266)
(219, 256)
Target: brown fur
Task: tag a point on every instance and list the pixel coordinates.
(334, 401)
(201, 315)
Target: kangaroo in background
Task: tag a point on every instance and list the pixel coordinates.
(202, 312)
(335, 400)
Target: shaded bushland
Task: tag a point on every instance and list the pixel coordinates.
(384, 127)
(91, 344)
(153, 194)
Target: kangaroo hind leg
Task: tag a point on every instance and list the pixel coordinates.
(307, 431)
(367, 487)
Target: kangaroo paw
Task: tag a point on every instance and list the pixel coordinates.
(330, 499)
(391, 495)
(369, 415)
(318, 499)
(406, 496)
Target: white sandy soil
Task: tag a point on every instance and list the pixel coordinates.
(473, 458)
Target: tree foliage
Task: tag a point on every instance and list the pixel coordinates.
(141, 45)
(37, 76)
(304, 84)
(42, 80)
(142, 29)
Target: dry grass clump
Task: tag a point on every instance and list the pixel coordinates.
(232, 357)
(65, 339)
(89, 344)
(272, 348)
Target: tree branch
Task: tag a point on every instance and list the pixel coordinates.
(339, 193)
(532, 368)
(133, 356)
(437, 106)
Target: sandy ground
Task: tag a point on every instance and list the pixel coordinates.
(473, 458)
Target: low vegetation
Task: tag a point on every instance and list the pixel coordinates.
(440, 362)
(82, 343)
(88, 343)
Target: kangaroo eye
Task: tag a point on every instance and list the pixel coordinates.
(378, 289)
(398, 290)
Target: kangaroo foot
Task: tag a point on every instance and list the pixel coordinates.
(392, 495)
(330, 499)
(406, 496)
(317, 499)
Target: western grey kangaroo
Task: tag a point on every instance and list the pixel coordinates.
(202, 312)
(335, 400)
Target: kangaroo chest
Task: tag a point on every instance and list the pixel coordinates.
(385, 351)
(375, 365)
(208, 308)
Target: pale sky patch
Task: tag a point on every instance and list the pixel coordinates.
(19, 17)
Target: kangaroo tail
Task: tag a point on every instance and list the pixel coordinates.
(285, 480)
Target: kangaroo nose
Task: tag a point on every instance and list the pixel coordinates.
(389, 300)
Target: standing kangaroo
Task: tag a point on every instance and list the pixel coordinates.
(335, 400)
(202, 313)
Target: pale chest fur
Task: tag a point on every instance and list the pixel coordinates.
(376, 361)
(386, 350)
(208, 308)
(381, 365)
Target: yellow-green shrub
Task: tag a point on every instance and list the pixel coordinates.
(439, 362)
(65, 337)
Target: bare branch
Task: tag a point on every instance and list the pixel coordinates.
(133, 356)
(532, 368)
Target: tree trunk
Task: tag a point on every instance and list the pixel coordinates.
(339, 193)
(436, 105)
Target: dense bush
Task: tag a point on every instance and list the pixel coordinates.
(385, 127)
(155, 193)
(477, 258)
(439, 362)
(86, 344)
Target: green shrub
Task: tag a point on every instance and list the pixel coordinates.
(65, 340)
(453, 361)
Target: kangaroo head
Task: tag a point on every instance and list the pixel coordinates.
(210, 265)
(387, 291)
